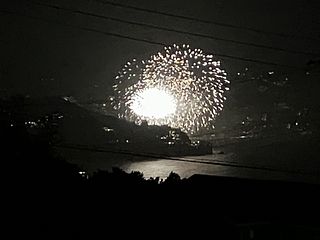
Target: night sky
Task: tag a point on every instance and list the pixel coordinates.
(42, 55)
(67, 168)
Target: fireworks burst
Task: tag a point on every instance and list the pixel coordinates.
(179, 86)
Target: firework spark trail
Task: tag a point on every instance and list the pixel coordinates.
(193, 78)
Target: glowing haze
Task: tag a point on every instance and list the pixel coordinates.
(178, 86)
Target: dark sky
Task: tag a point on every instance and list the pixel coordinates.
(41, 58)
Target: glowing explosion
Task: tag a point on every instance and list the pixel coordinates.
(179, 87)
(153, 103)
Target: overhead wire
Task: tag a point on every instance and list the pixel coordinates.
(148, 25)
(138, 39)
(198, 20)
(179, 159)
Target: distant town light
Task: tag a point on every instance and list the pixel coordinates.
(108, 129)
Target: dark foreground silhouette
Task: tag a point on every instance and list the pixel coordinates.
(46, 197)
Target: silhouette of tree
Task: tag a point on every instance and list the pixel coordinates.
(173, 178)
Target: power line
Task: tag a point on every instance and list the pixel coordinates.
(128, 37)
(226, 25)
(174, 30)
(166, 157)
(84, 28)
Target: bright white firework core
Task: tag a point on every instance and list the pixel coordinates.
(153, 103)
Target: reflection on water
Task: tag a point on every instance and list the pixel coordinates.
(163, 167)
(184, 166)
(235, 163)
